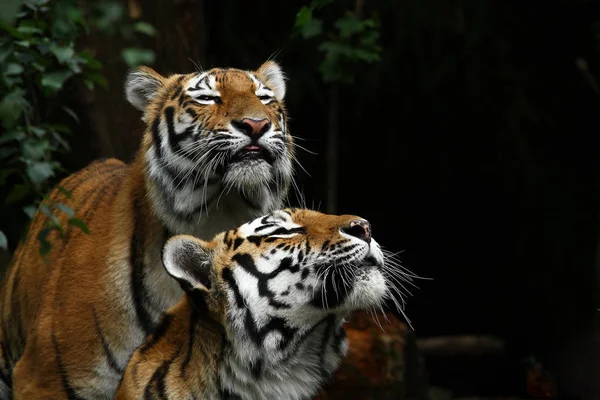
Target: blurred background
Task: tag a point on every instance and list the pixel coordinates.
(464, 131)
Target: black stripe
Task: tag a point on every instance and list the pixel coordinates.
(228, 277)
(284, 231)
(338, 338)
(138, 290)
(237, 243)
(71, 393)
(156, 137)
(191, 113)
(265, 226)
(303, 337)
(194, 318)
(156, 387)
(327, 334)
(174, 138)
(6, 376)
(256, 369)
(108, 354)
(275, 324)
(245, 261)
(161, 330)
(333, 294)
(177, 93)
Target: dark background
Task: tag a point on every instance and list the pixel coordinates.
(471, 146)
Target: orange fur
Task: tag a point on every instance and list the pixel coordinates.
(184, 357)
(70, 325)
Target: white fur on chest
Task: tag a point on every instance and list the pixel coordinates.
(296, 375)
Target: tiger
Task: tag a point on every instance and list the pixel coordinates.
(264, 309)
(216, 152)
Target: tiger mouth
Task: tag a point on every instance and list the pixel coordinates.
(253, 152)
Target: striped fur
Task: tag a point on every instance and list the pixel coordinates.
(263, 313)
(70, 326)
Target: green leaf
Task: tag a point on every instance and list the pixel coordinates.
(312, 28)
(80, 224)
(64, 191)
(348, 25)
(23, 43)
(29, 210)
(71, 113)
(3, 241)
(34, 150)
(90, 61)
(145, 28)
(5, 50)
(317, 4)
(11, 108)
(55, 80)
(39, 172)
(28, 30)
(37, 3)
(135, 56)
(10, 136)
(9, 10)
(60, 140)
(45, 245)
(44, 208)
(97, 78)
(17, 193)
(303, 17)
(37, 131)
(62, 53)
(13, 69)
(64, 208)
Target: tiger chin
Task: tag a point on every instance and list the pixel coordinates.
(263, 313)
(216, 153)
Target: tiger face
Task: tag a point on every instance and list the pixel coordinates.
(293, 262)
(213, 134)
(281, 286)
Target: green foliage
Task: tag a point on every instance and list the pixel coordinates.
(41, 65)
(346, 41)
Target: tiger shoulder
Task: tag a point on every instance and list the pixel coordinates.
(216, 152)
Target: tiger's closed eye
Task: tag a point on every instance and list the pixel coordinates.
(206, 97)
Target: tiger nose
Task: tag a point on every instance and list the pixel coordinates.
(359, 228)
(253, 127)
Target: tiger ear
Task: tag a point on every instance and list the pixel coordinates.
(142, 85)
(273, 77)
(189, 261)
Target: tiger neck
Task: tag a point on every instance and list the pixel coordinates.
(279, 361)
(191, 203)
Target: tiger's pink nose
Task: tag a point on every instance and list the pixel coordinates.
(253, 127)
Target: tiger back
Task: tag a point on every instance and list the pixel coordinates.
(216, 152)
(264, 309)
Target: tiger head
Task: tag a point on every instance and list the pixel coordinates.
(277, 280)
(215, 132)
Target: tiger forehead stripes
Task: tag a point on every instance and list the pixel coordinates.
(212, 132)
(264, 309)
(216, 153)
